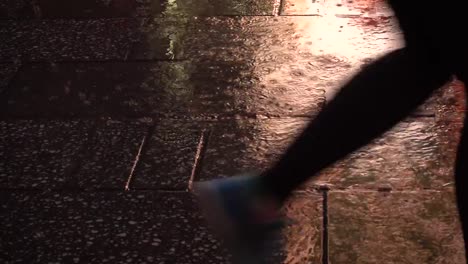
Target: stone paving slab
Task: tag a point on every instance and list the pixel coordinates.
(452, 102)
(340, 8)
(408, 227)
(40, 154)
(160, 39)
(247, 145)
(303, 240)
(187, 88)
(280, 52)
(169, 156)
(93, 89)
(417, 154)
(53, 9)
(264, 88)
(164, 88)
(256, 89)
(110, 155)
(7, 71)
(207, 7)
(142, 227)
(65, 40)
(112, 227)
(282, 39)
(11, 9)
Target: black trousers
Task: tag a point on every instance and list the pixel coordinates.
(384, 93)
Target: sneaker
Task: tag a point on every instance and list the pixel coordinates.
(245, 219)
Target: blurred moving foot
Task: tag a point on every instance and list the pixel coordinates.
(242, 215)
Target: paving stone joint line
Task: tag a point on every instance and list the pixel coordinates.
(325, 240)
(135, 163)
(201, 147)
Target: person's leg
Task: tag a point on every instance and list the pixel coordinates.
(372, 102)
(376, 99)
(453, 47)
(460, 63)
(345, 125)
(243, 210)
(461, 180)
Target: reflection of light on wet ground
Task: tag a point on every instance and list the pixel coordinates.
(312, 56)
(309, 57)
(171, 11)
(303, 240)
(341, 7)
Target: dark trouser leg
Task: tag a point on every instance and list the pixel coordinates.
(447, 35)
(383, 94)
(371, 103)
(460, 63)
(461, 180)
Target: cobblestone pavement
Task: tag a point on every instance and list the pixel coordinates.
(111, 109)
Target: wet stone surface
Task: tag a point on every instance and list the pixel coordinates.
(110, 89)
(413, 227)
(166, 8)
(451, 105)
(7, 71)
(143, 227)
(284, 39)
(417, 154)
(40, 154)
(101, 80)
(160, 39)
(82, 9)
(110, 155)
(164, 88)
(114, 227)
(10, 9)
(281, 39)
(290, 54)
(59, 40)
(340, 8)
(52, 9)
(182, 88)
(247, 145)
(232, 88)
(169, 156)
(302, 240)
(251, 89)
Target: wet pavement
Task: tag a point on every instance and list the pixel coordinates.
(397, 227)
(110, 110)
